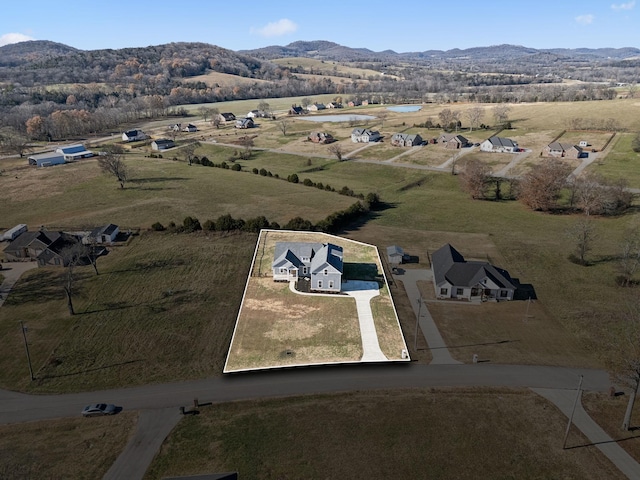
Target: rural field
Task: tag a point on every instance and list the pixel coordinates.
(164, 304)
(410, 434)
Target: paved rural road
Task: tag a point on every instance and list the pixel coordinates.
(17, 407)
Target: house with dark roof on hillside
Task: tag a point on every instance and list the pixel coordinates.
(455, 277)
(134, 136)
(162, 144)
(320, 263)
(452, 141)
(499, 145)
(563, 150)
(43, 246)
(406, 140)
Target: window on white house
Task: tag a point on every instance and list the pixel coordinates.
(444, 291)
(319, 283)
(326, 272)
(330, 284)
(459, 291)
(504, 293)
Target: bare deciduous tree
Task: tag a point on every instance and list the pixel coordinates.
(113, 164)
(474, 115)
(188, 151)
(501, 113)
(475, 178)
(448, 118)
(247, 147)
(336, 150)
(540, 188)
(629, 256)
(283, 125)
(583, 233)
(72, 256)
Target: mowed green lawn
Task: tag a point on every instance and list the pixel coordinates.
(77, 195)
(439, 433)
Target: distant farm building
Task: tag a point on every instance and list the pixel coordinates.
(74, 152)
(46, 159)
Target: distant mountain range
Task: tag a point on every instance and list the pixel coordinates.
(332, 51)
(35, 51)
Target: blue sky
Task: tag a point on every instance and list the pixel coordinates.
(410, 25)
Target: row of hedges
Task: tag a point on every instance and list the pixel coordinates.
(226, 223)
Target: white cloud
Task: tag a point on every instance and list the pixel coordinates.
(8, 38)
(276, 29)
(585, 19)
(624, 6)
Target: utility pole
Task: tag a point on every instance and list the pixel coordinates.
(573, 410)
(26, 347)
(415, 344)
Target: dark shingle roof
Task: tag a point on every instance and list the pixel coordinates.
(449, 265)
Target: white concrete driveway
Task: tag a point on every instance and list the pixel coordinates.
(363, 292)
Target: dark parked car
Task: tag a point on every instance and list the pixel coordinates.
(98, 409)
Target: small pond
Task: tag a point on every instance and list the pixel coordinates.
(337, 118)
(405, 108)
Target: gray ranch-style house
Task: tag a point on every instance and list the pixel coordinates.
(321, 263)
(499, 145)
(455, 277)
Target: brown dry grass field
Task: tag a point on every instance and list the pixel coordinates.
(277, 327)
(608, 413)
(64, 448)
(437, 433)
